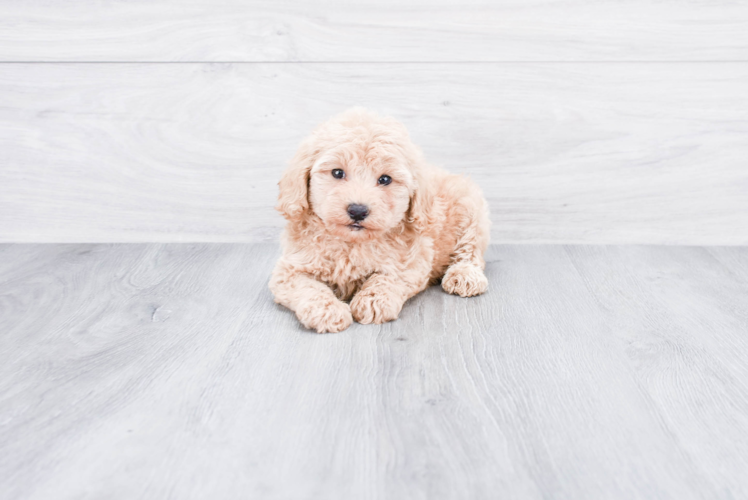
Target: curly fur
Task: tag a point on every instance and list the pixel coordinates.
(426, 226)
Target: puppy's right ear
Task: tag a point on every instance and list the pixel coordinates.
(293, 198)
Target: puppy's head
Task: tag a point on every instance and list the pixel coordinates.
(359, 174)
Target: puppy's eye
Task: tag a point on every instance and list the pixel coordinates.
(338, 173)
(384, 180)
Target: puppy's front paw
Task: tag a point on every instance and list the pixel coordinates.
(376, 306)
(325, 315)
(464, 279)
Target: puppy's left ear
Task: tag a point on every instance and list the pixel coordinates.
(293, 199)
(422, 198)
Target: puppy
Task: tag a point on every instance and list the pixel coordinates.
(371, 224)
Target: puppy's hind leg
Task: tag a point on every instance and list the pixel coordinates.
(464, 276)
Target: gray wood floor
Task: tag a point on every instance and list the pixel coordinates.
(166, 371)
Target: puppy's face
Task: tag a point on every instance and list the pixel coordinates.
(360, 192)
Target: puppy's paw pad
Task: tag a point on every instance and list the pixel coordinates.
(375, 307)
(325, 315)
(465, 280)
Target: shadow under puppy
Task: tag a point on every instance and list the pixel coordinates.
(371, 224)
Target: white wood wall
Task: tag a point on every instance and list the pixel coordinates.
(593, 122)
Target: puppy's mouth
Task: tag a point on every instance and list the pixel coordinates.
(356, 226)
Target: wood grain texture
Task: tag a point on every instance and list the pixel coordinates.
(166, 371)
(592, 153)
(374, 31)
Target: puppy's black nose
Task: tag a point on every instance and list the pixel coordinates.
(358, 212)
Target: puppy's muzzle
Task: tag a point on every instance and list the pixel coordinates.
(358, 212)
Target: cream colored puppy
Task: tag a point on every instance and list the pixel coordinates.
(371, 224)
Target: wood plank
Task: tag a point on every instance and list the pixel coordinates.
(592, 153)
(374, 31)
(684, 320)
(154, 371)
